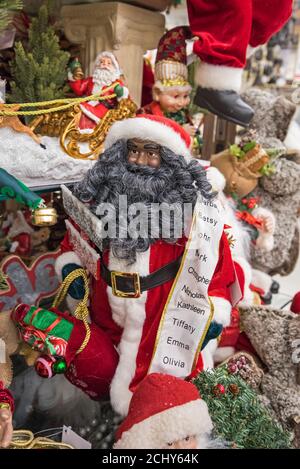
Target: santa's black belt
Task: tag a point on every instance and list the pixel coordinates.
(131, 285)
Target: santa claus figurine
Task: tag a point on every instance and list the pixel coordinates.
(228, 31)
(106, 80)
(145, 224)
(171, 90)
(165, 413)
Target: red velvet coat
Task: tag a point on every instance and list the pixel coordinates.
(132, 323)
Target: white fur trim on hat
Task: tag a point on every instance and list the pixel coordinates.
(222, 310)
(146, 129)
(191, 419)
(219, 77)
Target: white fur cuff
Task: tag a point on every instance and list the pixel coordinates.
(219, 77)
(222, 310)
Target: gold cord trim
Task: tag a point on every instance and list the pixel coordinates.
(81, 312)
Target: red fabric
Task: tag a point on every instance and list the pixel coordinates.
(159, 118)
(230, 334)
(295, 306)
(226, 27)
(161, 253)
(6, 397)
(92, 370)
(148, 82)
(85, 87)
(166, 392)
(24, 246)
(244, 344)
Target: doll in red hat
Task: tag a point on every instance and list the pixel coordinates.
(171, 89)
(227, 31)
(165, 413)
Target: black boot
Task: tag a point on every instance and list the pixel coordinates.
(267, 298)
(226, 104)
(275, 287)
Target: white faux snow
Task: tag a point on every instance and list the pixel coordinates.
(21, 156)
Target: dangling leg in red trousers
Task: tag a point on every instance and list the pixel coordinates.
(225, 30)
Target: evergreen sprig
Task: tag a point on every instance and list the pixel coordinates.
(40, 71)
(239, 418)
(7, 7)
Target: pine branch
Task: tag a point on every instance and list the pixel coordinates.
(7, 7)
(39, 73)
(237, 414)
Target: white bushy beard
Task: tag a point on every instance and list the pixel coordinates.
(104, 77)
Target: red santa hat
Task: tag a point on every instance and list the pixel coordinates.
(162, 410)
(159, 129)
(171, 60)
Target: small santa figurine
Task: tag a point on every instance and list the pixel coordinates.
(227, 32)
(106, 80)
(165, 413)
(171, 90)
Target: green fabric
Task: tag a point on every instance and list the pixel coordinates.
(179, 116)
(12, 188)
(45, 318)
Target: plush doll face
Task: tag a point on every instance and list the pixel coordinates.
(173, 100)
(190, 442)
(143, 152)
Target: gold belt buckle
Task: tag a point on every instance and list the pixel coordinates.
(136, 284)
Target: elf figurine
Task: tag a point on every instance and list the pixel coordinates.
(227, 31)
(171, 90)
(106, 79)
(165, 413)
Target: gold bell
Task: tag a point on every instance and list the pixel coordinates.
(44, 216)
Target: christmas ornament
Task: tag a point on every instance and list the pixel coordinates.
(44, 366)
(59, 366)
(44, 216)
(218, 390)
